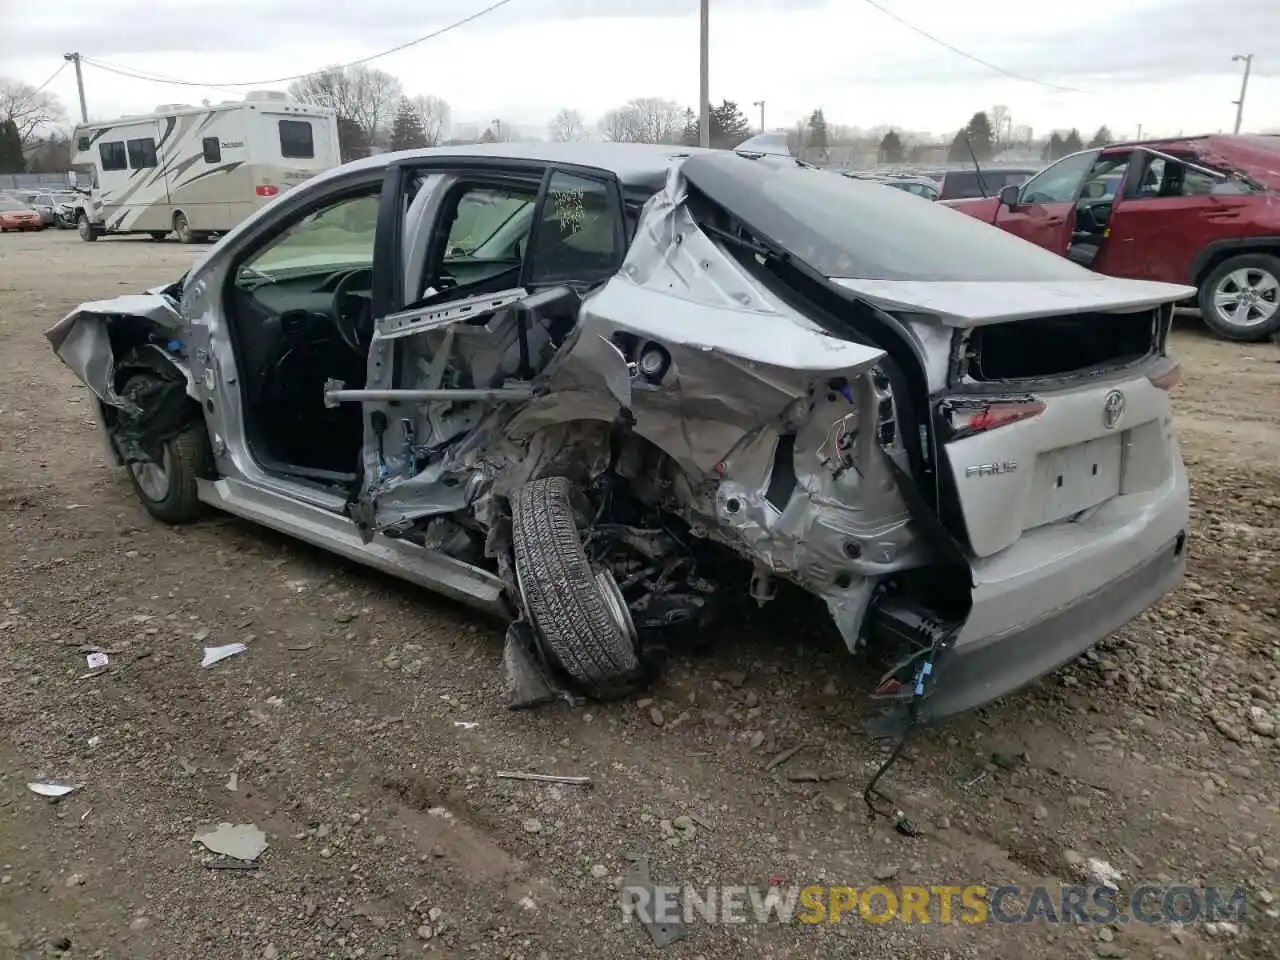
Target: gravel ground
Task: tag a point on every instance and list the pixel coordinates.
(362, 729)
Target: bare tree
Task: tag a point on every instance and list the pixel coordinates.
(361, 94)
(644, 120)
(999, 116)
(30, 109)
(434, 114)
(567, 126)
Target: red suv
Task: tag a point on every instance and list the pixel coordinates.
(1203, 211)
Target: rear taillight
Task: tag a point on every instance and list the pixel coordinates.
(1167, 379)
(267, 190)
(967, 417)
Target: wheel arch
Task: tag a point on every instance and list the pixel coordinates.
(1208, 259)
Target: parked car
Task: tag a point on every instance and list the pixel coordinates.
(46, 206)
(16, 215)
(987, 182)
(918, 186)
(606, 391)
(1203, 211)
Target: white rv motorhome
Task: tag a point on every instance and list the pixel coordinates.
(196, 171)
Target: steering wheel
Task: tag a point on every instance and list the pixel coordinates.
(351, 312)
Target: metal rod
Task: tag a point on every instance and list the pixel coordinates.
(332, 397)
(704, 78)
(542, 778)
(1244, 87)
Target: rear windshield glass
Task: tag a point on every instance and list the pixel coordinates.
(848, 228)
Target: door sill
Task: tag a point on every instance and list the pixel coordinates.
(473, 586)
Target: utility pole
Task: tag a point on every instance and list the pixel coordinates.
(75, 58)
(1244, 86)
(760, 104)
(1139, 137)
(704, 78)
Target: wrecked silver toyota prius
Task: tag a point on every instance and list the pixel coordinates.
(603, 390)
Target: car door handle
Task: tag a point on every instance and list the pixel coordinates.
(1054, 221)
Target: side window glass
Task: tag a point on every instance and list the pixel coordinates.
(113, 155)
(1166, 178)
(336, 237)
(212, 150)
(296, 140)
(142, 154)
(577, 235)
(1059, 183)
(490, 224)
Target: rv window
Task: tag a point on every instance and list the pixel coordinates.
(296, 140)
(142, 154)
(212, 150)
(113, 155)
(82, 144)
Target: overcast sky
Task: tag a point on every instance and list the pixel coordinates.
(1165, 64)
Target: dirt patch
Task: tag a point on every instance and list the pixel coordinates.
(348, 727)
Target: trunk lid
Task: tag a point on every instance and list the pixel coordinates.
(1050, 399)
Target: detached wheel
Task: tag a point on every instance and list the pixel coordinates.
(183, 229)
(168, 489)
(85, 228)
(580, 613)
(1240, 299)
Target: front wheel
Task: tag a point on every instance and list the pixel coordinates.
(1240, 298)
(168, 488)
(87, 233)
(580, 613)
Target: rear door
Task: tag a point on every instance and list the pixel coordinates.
(1167, 214)
(1044, 213)
(478, 238)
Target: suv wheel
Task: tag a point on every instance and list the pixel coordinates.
(87, 233)
(1240, 298)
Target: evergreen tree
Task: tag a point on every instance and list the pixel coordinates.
(958, 152)
(690, 137)
(981, 137)
(1102, 138)
(11, 159)
(891, 149)
(1072, 142)
(729, 125)
(818, 136)
(406, 131)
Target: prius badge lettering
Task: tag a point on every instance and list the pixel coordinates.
(991, 469)
(1112, 409)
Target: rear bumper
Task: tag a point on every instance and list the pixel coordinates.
(1048, 599)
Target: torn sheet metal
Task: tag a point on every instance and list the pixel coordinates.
(214, 655)
(242, 841)
(82, 339)
(639, 899)
(53, 790)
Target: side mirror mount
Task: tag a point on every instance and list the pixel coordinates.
(1009, 195)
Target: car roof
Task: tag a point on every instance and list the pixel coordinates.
(952, 173)
(640, 164)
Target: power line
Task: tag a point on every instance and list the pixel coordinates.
(53, 76)
(969, 56)
(140, 75)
